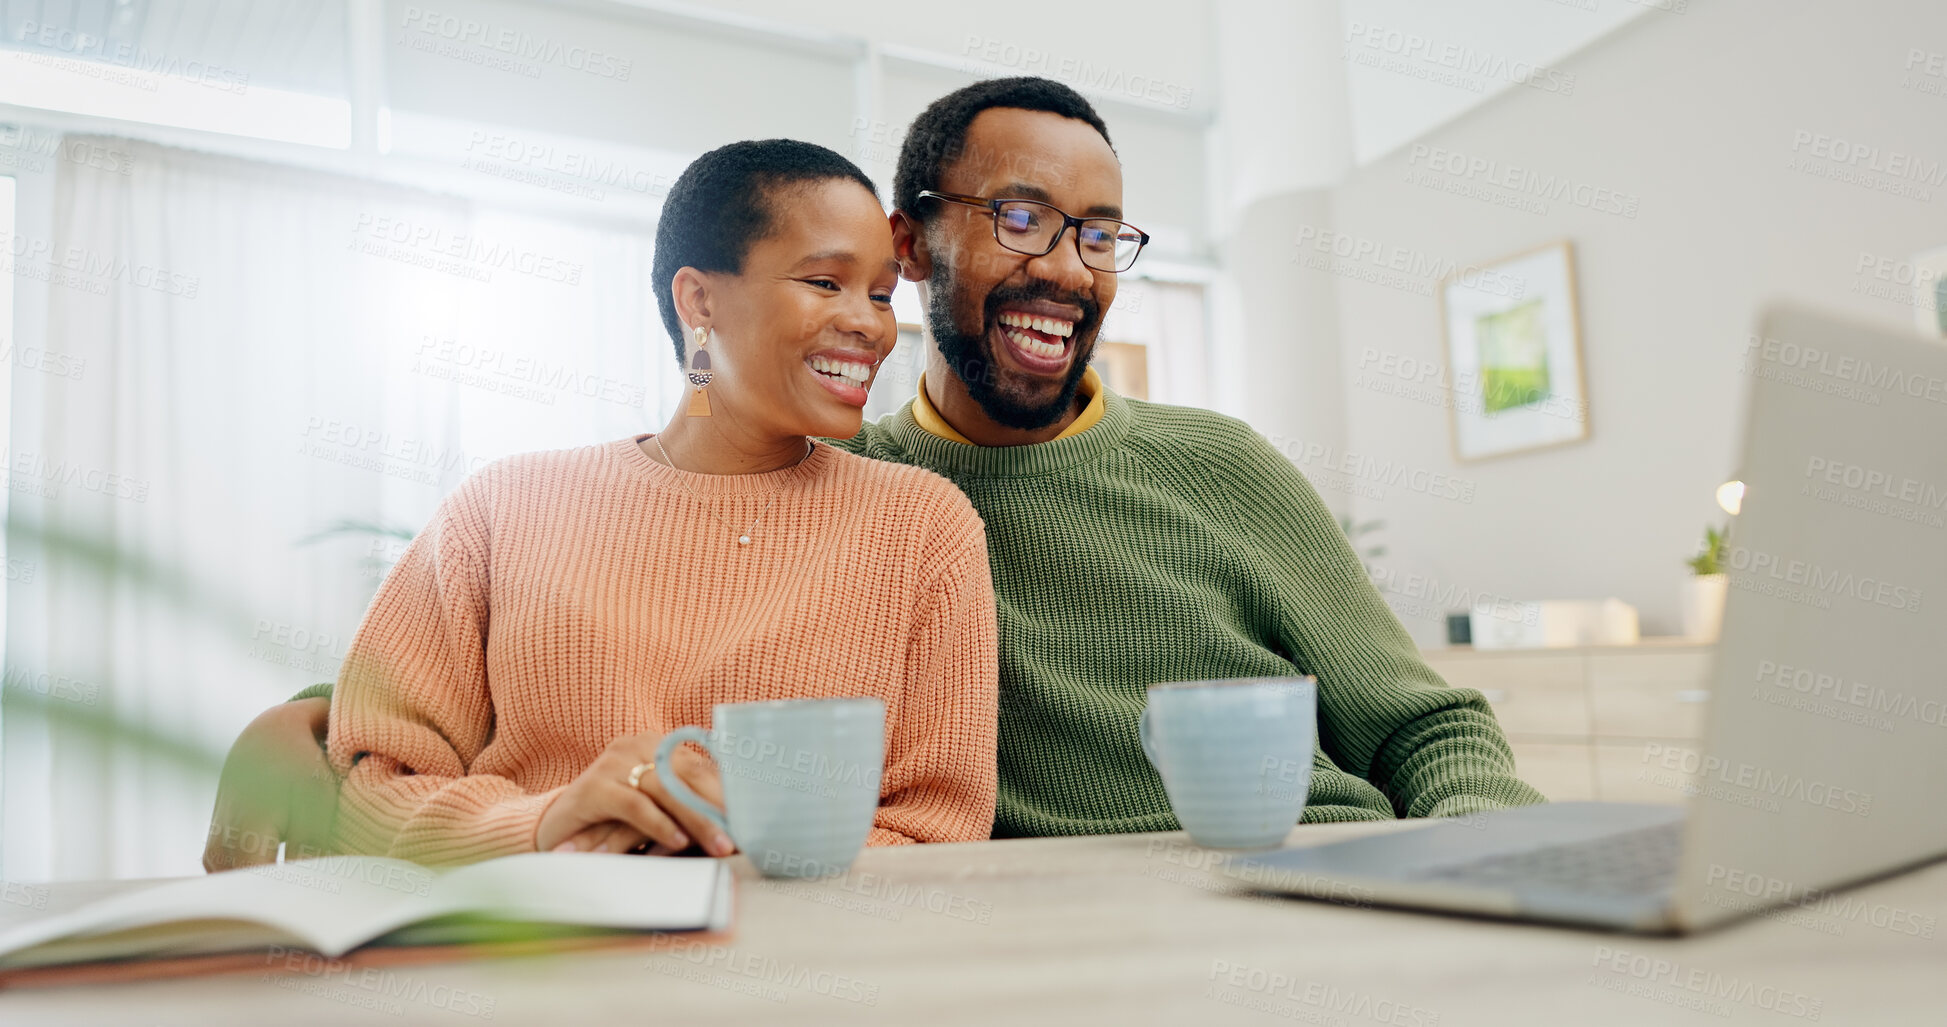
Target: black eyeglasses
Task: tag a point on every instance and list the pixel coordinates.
(1035, 228)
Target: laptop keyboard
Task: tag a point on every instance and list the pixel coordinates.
(1640, 862)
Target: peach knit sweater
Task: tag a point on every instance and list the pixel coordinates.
(560, 600)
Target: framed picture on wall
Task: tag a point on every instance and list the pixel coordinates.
(1124, 367)
(1514, 354)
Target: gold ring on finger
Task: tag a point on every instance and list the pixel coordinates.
(635, 775)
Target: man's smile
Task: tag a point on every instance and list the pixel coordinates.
(1038, 343)
(1039, 337)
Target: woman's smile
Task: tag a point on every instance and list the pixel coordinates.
(846, 372)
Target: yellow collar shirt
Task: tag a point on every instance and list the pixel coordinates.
(1090, 389)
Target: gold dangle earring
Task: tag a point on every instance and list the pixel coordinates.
(700, 374)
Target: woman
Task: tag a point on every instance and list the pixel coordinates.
(564, 610)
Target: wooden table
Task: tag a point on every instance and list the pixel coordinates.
(1131, 929)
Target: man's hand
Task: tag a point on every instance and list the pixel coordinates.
(276, 787)
(599, 812)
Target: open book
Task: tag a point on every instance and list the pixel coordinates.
(335, 904)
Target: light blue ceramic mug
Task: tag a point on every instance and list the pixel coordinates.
(800, 779)
(1235, 756)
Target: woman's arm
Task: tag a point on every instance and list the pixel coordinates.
(939, 783)
(412, 712)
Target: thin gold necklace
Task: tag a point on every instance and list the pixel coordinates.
(743, 539)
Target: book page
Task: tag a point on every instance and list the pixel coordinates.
(330, 905)
(586, 889)
(333, 905)
(175, 938)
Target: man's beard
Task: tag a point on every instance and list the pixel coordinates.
(972, 358)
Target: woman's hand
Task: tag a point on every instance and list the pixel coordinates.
(276, 787)
(599, 812)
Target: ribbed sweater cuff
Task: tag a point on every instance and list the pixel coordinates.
(454, 833)
(882, 836)
(506, 827)
(1461, 805)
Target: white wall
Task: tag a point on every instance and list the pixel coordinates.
(1412, 66)
(1700, 115)
(1167, 41)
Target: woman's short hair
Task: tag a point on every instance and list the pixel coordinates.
(725, 201)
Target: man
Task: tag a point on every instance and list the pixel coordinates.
(1131, 543)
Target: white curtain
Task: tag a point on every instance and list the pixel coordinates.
(268, 353)
(1167, 319)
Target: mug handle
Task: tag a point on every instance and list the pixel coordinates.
(675, 786)
(1143, 736)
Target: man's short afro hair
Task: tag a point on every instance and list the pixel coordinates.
(724, 202)
(939, 135)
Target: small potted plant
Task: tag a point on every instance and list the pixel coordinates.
(1704, 591)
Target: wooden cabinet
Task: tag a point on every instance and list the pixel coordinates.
(1561, 772)
(1648, 695)
(1538, 696)
(1596, 722)
(1643, 771)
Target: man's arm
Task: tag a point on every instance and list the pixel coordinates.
(1383, 713)
(321, 690)
(277, 787)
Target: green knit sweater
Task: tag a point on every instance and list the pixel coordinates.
(1174, 544)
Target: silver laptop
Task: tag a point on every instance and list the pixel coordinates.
(1825, 745)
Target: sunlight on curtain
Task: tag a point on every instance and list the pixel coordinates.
(1167, 319)
(276, 360)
